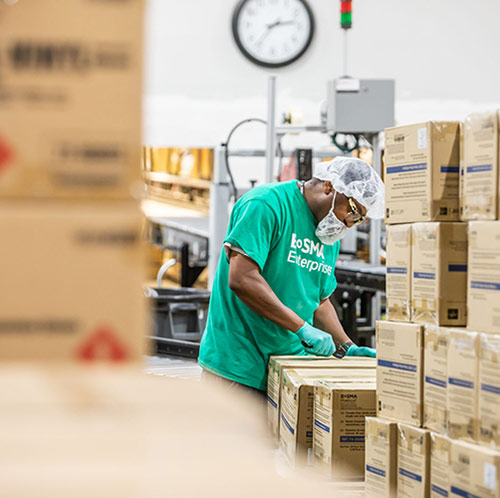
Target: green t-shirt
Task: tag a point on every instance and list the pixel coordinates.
(274, 226)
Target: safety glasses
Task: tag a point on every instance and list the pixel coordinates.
(355, 215)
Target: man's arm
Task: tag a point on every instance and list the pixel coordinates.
(326, 318)
(248, 284)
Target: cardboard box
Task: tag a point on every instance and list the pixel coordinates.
(381, 443)
(116, 432)
(484, 276)
(297, 404)
(489, 390)
(413, 462)
(440, 465)
(76, 294)
(398, 279)
(435, 378)
(399, 371)
(340, 409)
(474, 470)
(275, 372)
(480, 196)
(421, 172)
(463, 372)
(461, 184)
(439, 273)
(80, 91)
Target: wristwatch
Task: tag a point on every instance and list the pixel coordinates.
(342, 349)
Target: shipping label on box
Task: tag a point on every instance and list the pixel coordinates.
(480, 195)
(435, 378)
(297, 400)
(474, 470)
(422, 172)
(489, 390)
(413, 462)
(398, 279)
(483, 296)
(75, 294)
(399, 371)
(439, 273)
(340, 409)
(381, 442)
(80, 90)
(463, 371)
(440, 465)
(275, 372)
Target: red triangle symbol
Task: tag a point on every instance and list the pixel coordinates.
(102, 344)
(6, 154)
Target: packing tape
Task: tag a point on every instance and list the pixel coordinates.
(423, 312)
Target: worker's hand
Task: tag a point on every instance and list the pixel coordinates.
(360, 351)
(316, 341)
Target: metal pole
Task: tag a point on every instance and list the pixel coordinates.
(219, 213)
(344, 64)
(271, 134)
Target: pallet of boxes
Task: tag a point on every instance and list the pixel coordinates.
(317, 408)
(437, 430)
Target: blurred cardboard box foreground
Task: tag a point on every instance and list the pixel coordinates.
(71, 282)
(70, 98)
(114, 432)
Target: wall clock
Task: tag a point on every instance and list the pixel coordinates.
(273, 33)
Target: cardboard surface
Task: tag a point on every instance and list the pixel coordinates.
(483, 283)
(116, 432)
(439, 273)
(75, 293)
(489, 390)
(297, 403)
(80, 90)
(398, 278)
(413, 462)
(275, 372)
(463, 372)
(400, 371)
(440, 465)
(435, 378)
(461, 184)
(340, 409)
(422, 172)
(474, 470)
(480, 196)
(381, 442)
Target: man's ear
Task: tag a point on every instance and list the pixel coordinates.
(328, 187)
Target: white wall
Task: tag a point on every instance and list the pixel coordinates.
(442, 54)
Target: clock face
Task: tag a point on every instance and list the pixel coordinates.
(273, 33)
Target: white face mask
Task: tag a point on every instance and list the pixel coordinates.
(330, 229)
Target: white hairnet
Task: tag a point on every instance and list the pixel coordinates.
(355, 178)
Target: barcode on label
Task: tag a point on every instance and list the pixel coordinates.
(490, 476)
(422, 138)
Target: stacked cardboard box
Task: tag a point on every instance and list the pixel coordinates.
(70, 148)
(434, 374)
(317, 407)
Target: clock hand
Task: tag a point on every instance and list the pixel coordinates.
(284, 23)
(269, 27)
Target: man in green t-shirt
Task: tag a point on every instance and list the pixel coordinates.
(277, 271)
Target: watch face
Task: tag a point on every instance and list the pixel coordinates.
(273, 33)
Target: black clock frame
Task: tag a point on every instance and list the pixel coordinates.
(234, 23)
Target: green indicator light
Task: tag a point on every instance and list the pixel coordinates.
(346, 19)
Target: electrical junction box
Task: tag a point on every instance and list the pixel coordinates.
(359, 106)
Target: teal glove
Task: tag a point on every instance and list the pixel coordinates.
(316, 341)
(360, 351)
